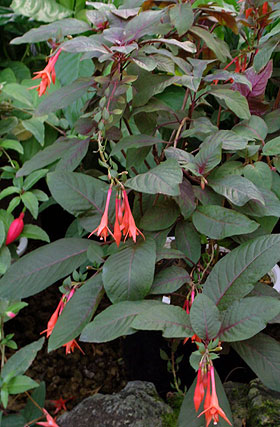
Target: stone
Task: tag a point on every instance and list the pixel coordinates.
(137, 405)
(263, 406)
(237, 394)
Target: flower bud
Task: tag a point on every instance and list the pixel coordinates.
(10, 314)
(15, 229)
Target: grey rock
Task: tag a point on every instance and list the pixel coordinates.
(263, 406)
(137, 405)
(237, 394)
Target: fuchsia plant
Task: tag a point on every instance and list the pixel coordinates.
(172, 112)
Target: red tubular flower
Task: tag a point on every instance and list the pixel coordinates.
(198, 392)
(265, 7)
(248, 12)
(53, 319)
(213, 411)
(129, 226)
(103, 229)
(117, 229)
(47, 75)
(50, 420)
(15, 229)
(70, 347)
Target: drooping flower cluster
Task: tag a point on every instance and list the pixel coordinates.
(124, 222)
(47, 75)
(187, 305)
(212, 409)
(70, 346)
(50, 420)
(15, 229)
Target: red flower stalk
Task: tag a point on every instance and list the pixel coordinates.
(265, 8)
(248, 12)
(213, 411)
(128, 224)
(70, 347)
(103, 229)
(15, 229)
(47, 75)
(50, 420)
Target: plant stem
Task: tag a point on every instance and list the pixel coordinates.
(2, 336)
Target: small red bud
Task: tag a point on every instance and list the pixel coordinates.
(15, 229)
(10, 314)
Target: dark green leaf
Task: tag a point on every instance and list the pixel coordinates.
(164, 179)
(42, 267)
(129, 273)
(260, 174)
(21, 383)
(59, 28)
(272, 147)
(181, 16)
(20, 361)
(34, 232)
(160, 216)
(77, 312)
(261, 353)
(135, 141)
(236, 102)
(217, 222)
(36, 127)
(186, 200)
(65, 96)
(237, 190)
(169, 280)
(245, 318)
(188, 241)
(234, 275)
(205, 317)
(173, 321)
(218, 46)
(115, 321)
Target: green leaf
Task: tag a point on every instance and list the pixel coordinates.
(31, 203)
(253, 129)
(67, 149)
(11, 144)
(40, 10)
(272, 120)
(166, 253)
(237, 190)
(272, 147)
(135, 141)
(57, 29)
(65, 96)
(164, 179)
(77, 312)
(189, 413)
(19, 93)
(5, 259)
(79, 193)
(271, 208)
(236, 102)
(8, 191)
(261, 353)
(209, 156)
(173, 321)
(69, 67)
(33, 178)
(160, 216)
(34, 232)
(20, 361)
(129, 273)
(2, 232)
(217, 222)
(181, 16)
(115, 321)
(231, 141)
(36, 127)
(186, 200)
(234, 275)
(188, 241)
(7, 125)
(95, 253)
(169, 280)
(43, 267)
(30, 411)
(205, 317)
(21, 383)
(218, 46)
(260, 174)
(245, 318)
